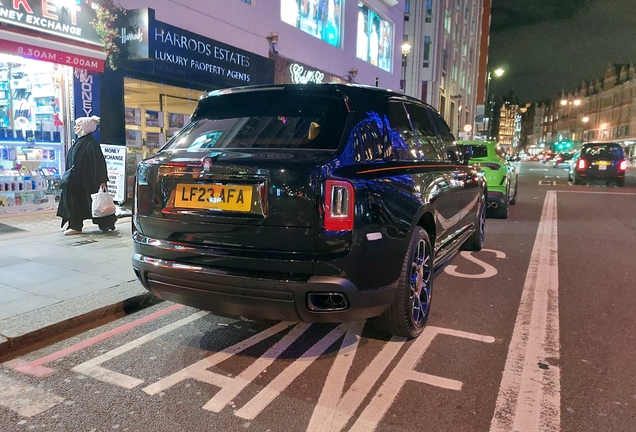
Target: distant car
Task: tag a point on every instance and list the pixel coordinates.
(315, 203)
(562, 160)
(600, 161)
(501, 176)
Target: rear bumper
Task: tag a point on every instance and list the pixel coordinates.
(227, 294)
(597, 174)
(495, 197)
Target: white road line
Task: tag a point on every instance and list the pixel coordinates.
(25, 400)
(93, 369)
(405, 371)
(597, 193)
(198, 370)
(259, 402)
(530, 392)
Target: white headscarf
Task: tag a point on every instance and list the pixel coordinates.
(85, 125)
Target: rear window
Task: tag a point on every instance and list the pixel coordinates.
(480, 152)
(603, 151)
(267, 120)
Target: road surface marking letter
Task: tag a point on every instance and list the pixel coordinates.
(25, 400)
(93, 369)
(489, 271)
(405, 371)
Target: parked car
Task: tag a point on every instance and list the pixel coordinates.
(562, 160)
(600, 161)
(501, 176)
(316, 203)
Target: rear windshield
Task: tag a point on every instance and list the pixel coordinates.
(603, 151)
(265, 120)
(480, 152)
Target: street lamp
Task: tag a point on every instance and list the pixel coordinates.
(569, 103)
(406, 49)
(498, 73)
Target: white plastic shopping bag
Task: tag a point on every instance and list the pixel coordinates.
(103, 204)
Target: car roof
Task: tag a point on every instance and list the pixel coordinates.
(356, 93)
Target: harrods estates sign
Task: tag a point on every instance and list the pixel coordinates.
(69, 19)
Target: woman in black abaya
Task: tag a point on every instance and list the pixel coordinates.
(88, 175)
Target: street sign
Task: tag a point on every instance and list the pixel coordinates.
(468, 128)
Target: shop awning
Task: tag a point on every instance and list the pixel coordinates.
(37, 48)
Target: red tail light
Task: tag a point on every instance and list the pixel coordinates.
(338, 205)
(581, 165)
(623, 165)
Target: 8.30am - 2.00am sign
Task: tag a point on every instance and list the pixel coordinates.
(53, 56)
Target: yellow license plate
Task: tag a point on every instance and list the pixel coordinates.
(214, 196)
(603, 163)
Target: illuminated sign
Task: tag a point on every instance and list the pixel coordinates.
(299, 75)
(53, 56)
(374, 40)
(70, 19)
(321, 19)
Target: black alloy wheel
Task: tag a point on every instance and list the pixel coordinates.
(409, 312)
(513, 201)
(475, 242)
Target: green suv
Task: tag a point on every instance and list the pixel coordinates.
(501, 176)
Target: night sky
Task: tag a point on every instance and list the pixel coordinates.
(549, 45)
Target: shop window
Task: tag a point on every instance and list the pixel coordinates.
(33, 135)
(320, 19)
(374, 40)
(153, 114)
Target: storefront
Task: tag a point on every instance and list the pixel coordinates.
(45, 50)
(166, 72)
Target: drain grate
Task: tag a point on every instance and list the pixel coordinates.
(6, 229)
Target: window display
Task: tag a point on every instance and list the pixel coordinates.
(31, 132)
(153, 113)
(319, 18)
(374, 41)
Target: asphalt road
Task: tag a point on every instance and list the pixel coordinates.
(535, 332)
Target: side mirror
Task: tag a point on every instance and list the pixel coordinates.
(468, 153)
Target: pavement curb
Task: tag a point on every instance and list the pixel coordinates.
(31, 331)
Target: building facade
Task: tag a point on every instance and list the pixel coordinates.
(443, 65)
(508, 125)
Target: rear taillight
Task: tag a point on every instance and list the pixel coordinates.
(622, 166)
(581, 165)
(338, 205)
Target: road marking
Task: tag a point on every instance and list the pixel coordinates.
(93, 369)
(539, 169)
(198, 370)
(547, 183)
(405, 371)
(598, 193)
(489, 271)
(333, 411)
(529, 396)
(37, 368)
(282, 381)
(25, 400)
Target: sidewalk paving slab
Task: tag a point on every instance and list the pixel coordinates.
(51, 284)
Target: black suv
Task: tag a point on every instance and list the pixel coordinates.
(600, 161)
(318, 203)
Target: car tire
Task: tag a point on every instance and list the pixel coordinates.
(620, 182)
(577, 180)
(476, 240)
(513, 201)
(409, 312)
(569, 176)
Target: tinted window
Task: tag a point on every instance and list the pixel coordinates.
(429, 148)
(480, 151)
(402, 138)
(368, 139)
(603, 151)
(268, 120)
(448, 140)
